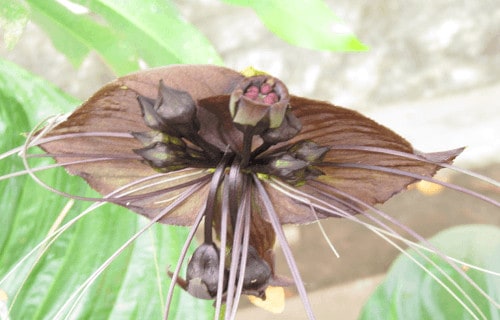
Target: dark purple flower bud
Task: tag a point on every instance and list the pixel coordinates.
(173, 112)
(288, 168)
(259, 102)
(257, 274)
(151, 137)
(308, 151)
(295, 165)
(203, 272)
(175, 107)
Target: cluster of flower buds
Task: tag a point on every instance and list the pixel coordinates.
(261, 104)
(172, 116)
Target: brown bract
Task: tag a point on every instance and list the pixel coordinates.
(103, 126)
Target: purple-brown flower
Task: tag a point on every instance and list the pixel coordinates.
(195, 143)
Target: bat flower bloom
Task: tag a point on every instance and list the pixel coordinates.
(186, 144)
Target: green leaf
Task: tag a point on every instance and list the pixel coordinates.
(129, 287)
(14, 15)
(124, 33)
(159, 34)
(308, 24)
(75, 35)
(408, 292)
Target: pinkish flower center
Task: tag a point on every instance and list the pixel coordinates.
(264, 94)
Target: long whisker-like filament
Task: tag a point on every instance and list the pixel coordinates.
(31, 171)
(157, 271)
(250, 157)
(419, 158)
(47, 241)
(208, 212)
(389, 218)
(238, 255)
(432, 251)
(222, 257)
(323, 232)
(415, 235)
(180, 261)
(42, 251)
(339, 212)
(117, 194)
(415, 176)
(246, 213)
(285, 247)
(78, 294)
(304, 198)
(436, 278)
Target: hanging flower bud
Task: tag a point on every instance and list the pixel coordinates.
(259, 102)
(202, 274)
(257, 274)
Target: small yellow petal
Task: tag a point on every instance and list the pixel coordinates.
(275, 300)
(429, 188)
(251, 71)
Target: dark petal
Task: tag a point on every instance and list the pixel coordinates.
(288, 129)
(333, 127)
(262, 235)
(149, 114)
(216, 124)
(251, 113)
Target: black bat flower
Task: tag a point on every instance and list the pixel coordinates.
(192, 143)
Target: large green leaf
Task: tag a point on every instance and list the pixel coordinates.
(408, 292)
(123, 33)
(160, 35)
(129, 287)
(75, 35)
(308, 24)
